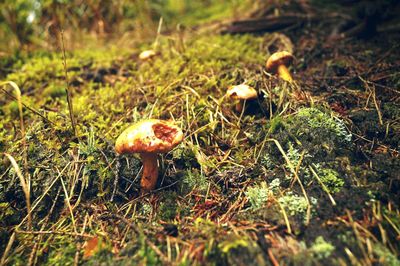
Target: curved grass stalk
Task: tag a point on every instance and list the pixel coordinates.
(24, 185)
(17, 92)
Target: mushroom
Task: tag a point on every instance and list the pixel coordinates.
(147, 54)
(242, 93)
(149, 137)
(278, 62)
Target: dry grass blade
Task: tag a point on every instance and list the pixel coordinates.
(7, 250)
(285, 217)
(38, 240)
(69, 97)
(156, 41)
(24, 185)
(36, 203)
(67, 197)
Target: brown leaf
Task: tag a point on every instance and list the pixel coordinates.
(90, 247)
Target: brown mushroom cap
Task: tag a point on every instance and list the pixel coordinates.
(278, 58)
(242, 92)
(149, 136)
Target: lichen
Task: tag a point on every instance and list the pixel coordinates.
(257, 195)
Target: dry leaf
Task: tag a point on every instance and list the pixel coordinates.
(90, 247)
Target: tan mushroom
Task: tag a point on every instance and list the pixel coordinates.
(242, 93)
(149, 137)
(147, 54)
(278, 63)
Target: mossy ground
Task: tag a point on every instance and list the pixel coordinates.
(304, 176)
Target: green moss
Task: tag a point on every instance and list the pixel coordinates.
(294, 157)
(385, 256)
(168, 206)
(184, 156)
(391, 110)
(60, 255)
(331, 179)
(104, 256)
(193, 179)
(205, 227)
(321, 249)
(275, 124)
(240, 250)
(11, 109)
(232, 243)
(55, 91)
(146, 209)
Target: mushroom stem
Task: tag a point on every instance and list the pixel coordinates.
(150, 171)
(284, 73)
(239, 106)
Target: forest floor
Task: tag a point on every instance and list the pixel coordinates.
(307, 174)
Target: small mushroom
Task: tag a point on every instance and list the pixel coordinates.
(242, 93)
(147, 54)
(278, 62)
(149, 137)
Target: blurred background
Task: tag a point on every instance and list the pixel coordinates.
(30, 24)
